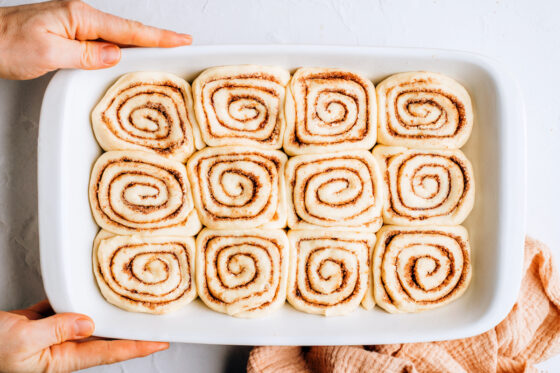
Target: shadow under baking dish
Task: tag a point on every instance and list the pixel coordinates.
(67, 150)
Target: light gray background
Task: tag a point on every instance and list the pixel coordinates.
(523, 35)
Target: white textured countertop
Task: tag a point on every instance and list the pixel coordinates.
(523, 35)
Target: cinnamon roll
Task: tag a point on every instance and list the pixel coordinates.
(425, 187)
(420, 268)
(153, 274)
(342, 190)
(241, 105)
(136, 192)
(423, 110)
(330, 271)
(148, 111)
(329, 110)
(242, 273)
(238, 187)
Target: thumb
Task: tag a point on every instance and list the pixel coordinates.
(89, 55)
(59, 328)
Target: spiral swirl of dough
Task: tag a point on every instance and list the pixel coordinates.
(423, 110)
(242, 273)
(239, 187)
(148, 111)
(420, 268)
(425, 187)
(241, 105)
(140, 192)
(329, 110)
(342, 190)
(330, 271)
(152, 274)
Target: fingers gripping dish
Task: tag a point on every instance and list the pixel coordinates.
(423, 110)
(150, 111)
(425, 187)
(420, 268)
(239, 187)
(329, 110)
(152, 274)
(136, 192)
(242, 273)
(241, 105)
(330, 271)
(342, 190)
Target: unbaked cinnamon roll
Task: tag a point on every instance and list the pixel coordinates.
(242, 273)
(329, 110)
(136, 192)
(423, 110)
(153, 274)
(342, 190)
(241, 105)
(425, 187)
(238, 187)
(150, 111)
(330, 271)
(420, 268)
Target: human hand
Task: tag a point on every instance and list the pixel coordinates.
(38, 38)
(33, 341)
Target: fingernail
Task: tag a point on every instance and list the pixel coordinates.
(162, 346)
(83, 328)
(187, 39)
(110, 54)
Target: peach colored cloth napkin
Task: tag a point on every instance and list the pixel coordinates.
(528, 335)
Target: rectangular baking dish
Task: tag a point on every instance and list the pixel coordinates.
(67, 150)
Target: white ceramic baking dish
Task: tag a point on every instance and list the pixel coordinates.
(67, 150)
